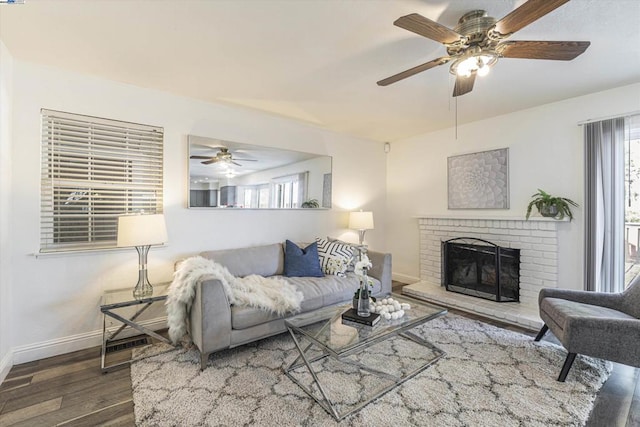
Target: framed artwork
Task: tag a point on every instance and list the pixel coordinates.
(479, 180)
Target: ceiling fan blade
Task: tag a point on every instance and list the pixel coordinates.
(555, 50)
(464, 84)
(427, 28)
(200, 157)
(524, 15)
(237, 164)
(208, 162)
(415, 70)
(245, 160)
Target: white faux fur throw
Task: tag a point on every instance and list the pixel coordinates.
(271, 294)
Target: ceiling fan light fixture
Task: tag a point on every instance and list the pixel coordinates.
(479, 63)
(483, 69)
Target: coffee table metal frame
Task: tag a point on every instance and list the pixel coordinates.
(306, 326)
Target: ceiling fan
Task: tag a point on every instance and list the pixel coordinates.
(478, 41)
(224, 155)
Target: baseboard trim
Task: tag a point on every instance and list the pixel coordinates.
(5, 365)
(68, 344)
(405, 278)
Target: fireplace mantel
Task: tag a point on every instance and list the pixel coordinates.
(489, 218)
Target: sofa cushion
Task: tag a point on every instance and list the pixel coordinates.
(318, 292)
(299, 262)
(335, 257)
(556, 313)
(243, 317)
(266, 260)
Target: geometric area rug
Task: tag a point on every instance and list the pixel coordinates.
(489, 377)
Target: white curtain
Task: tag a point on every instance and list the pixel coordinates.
(604, 205)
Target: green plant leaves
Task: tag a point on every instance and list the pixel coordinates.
(542, 199)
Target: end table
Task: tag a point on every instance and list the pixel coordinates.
(120, 298)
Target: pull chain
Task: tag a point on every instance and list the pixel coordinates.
(456, 102)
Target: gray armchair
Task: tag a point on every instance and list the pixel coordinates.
(602, 325)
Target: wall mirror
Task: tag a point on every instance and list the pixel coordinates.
(226, 174)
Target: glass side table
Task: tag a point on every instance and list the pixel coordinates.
(120, 298)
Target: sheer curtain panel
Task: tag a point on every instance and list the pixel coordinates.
(604, 205)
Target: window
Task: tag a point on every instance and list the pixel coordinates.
(263, 196)
(289, 191)
(94, 170)
(255, 196)
(632, 198)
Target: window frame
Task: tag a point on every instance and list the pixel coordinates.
(92, 171)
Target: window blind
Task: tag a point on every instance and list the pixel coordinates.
(94, 170)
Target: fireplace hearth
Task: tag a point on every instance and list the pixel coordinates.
(481, 268)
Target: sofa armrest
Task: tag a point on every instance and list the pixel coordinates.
(603, 299)
(210, 317)
(381, 270)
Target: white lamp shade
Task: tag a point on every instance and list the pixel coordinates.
(141, 230)
(361, 220)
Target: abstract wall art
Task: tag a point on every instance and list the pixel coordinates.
(479, 180)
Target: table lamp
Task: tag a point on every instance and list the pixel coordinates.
(361, 221)
(142, 231)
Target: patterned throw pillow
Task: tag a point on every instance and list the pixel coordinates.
(335, 257)
(354, 249)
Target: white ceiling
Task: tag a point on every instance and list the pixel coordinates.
(319, 60)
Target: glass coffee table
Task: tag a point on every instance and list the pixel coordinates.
(345, 366)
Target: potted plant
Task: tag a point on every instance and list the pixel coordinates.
(551, 206)
(312, 203)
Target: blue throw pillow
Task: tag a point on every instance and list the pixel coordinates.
(300, 262)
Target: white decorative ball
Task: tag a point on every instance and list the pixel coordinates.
(405, 306)
(387, 316)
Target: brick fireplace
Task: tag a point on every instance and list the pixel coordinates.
(537, 240)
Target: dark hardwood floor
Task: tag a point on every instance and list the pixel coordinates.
(70, 390)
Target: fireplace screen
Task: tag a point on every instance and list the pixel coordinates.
(480, 268)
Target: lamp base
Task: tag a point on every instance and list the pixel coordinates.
(143, 288)
(361, 236)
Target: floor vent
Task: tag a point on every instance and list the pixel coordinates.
(128, 344)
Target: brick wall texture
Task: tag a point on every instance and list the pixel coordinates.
(537, 241)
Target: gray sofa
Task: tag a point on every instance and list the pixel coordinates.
(215, 325)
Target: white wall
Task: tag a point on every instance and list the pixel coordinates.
(57, 297)
(6, 66)
(545, 151)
